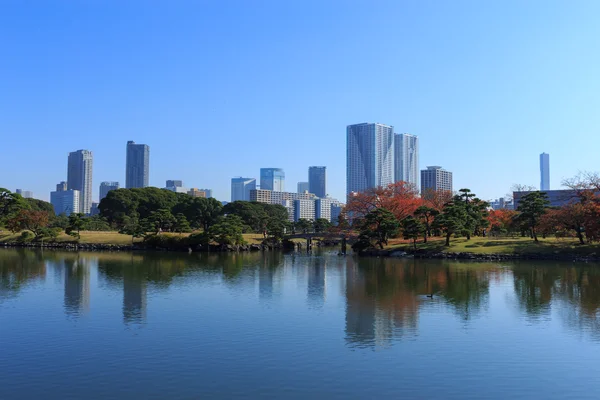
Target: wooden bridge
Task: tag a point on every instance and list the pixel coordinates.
(323, 236)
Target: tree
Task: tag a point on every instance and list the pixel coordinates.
(160, 220)
(34, 221)
(276, 228)
(412, 228)
(426, 215)
(451, 221)
(501, 221)
(76, 224)
(573, 216)
(400, 198)
(227, 230)
(531, 207)
(303, 225)
(380, 225)
(10, 203)
(321, 225)
(133, 227)
(181, 224)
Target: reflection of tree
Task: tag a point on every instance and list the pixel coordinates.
(384, 296)
(574, 292)
(533, 288)
(18, 268)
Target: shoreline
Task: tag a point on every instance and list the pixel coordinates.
(437, 255)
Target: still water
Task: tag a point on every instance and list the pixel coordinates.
(273, 325)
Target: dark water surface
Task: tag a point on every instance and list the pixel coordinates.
(170, 326)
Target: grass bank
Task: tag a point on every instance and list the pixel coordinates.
(111, 237)
(509, 246)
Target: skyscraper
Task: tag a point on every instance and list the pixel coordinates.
(435, 178)
(317, 181)
(61, 187)
(272, 179)
(241, 187)
(137, 170)
(406, 161)
(303, 187)
(106, 187)
(174, 183)
(65, 201)
(369, 156)
(26, 194)
(79, 177)
(544, 171)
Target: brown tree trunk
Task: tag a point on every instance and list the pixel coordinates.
(448, 239)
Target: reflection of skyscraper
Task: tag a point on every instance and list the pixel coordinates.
(134, 297)
(77, 287)
(316, 283)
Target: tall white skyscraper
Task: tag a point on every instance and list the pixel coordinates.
(369, 156)
(406, 162)
(544, 171)
(241, 187)
(79, 177)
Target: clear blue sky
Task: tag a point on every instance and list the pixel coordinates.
(219, 89)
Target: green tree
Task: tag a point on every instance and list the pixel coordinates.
(160, 221)
(451, 220)
(380, 225)
(132, 226)
(59, 221)
(95, 223)
(412, 228)
(321, 225)
(76, 223)
(303, 225)
(10, 203)
(227, 230)
(531, 207)
(276, 228)
(181, 224)
(426, 215)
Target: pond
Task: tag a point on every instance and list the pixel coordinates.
(275, 325)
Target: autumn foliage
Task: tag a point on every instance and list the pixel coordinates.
(400, 198)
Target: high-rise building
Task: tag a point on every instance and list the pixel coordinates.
(137, 170)
(106, 187)
(303, 187)
(317, 181)
(406, 159)
(174, 183)
(194, 192)
(65, 201)
(369, 156)
(436, 179)
(241, 187)
(208, 193)
(304, 209)
(61, 187)
(79, 177)
(544, 171)
(272, 179)
(26, 194)
(323, 208)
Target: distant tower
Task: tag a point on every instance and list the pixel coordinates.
(544, 171)
(406, 162)
(137, 170)
(241, 187)
(317, 181)
(436, 179)
(79, 177)
(369, 156)
(303, 187)
(106, 187)
(272, 179)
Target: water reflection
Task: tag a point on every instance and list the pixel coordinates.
(385, 299)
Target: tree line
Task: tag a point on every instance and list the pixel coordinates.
(397, 210)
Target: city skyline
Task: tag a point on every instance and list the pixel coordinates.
(174, 92)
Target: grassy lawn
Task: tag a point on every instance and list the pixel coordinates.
(517, 245)
(92, 237)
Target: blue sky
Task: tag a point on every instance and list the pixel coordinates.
(219, 89)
